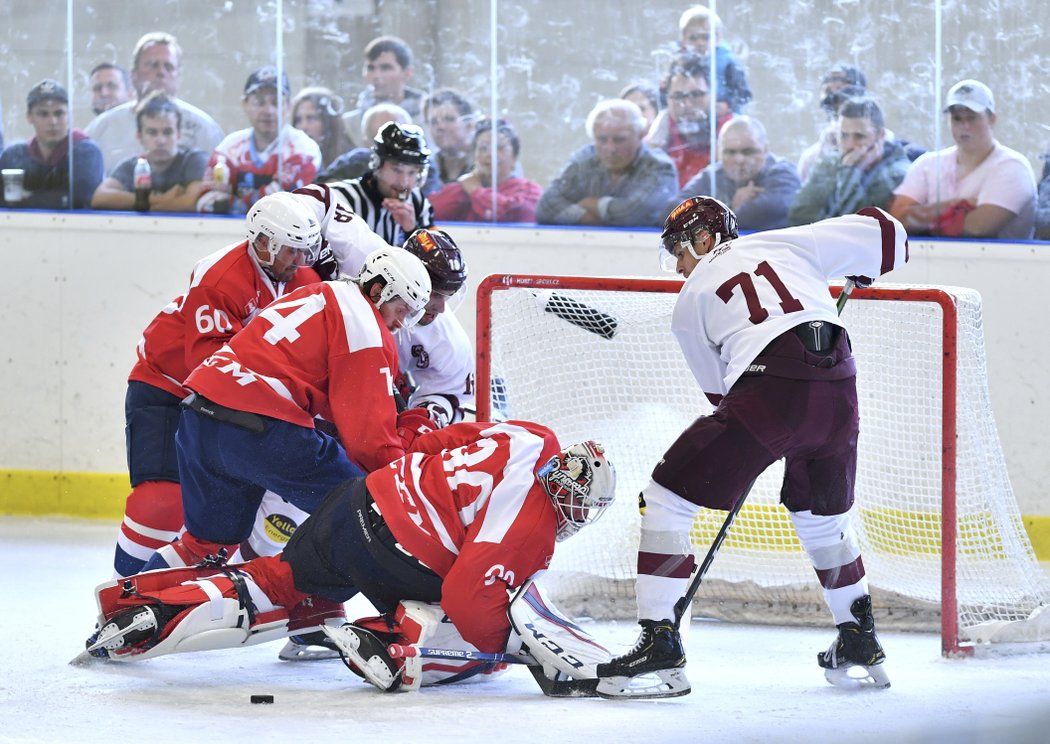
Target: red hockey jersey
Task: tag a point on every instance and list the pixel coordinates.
(321, 350)
(476, 515)
(226, 290)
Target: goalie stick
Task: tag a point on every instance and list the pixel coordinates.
(582, 316)
(686, 599)
(550, 687)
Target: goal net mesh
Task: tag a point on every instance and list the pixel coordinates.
(635, 394)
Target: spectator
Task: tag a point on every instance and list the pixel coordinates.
(156, 65)
(176, 173)
(731, 88)
(264, 158)
(450, 120)
(110, 86)
(863, 173)
(387, 70)
(45, 157)
(1042, 210)
(975, 188)
(317, 111)
(683, 129)
(617, 180)
(757, 185)
(839, 83)
(469, 199)
(646, 98)
(357, 162)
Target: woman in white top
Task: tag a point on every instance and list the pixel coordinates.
(976, 188)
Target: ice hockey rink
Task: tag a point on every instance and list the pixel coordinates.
(750, 684)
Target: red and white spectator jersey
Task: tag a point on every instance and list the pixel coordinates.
(440, 359)
(745, 293)
(226, 290)
(289, 162)
(347, 234)
(322, 350)
(476, 514)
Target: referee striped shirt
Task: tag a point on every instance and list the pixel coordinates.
(362, 196)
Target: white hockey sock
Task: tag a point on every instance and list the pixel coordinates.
(832, 548)
(665, 552)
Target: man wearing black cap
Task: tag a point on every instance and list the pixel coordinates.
(269, 156)
(44, 159)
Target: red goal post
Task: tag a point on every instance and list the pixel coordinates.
(593, 357)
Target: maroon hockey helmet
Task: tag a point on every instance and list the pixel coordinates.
(440, 254)
(695, 215)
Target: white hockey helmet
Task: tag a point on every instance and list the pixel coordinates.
(582, 484)
(403, 275)
(286, 221)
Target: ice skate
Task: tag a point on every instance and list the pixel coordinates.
(854, 660)
(365, 655)
(314, 646)
(126, 633)
(655, 668)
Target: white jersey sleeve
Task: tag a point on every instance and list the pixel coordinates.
(745, 293)
(440, 359)
(348, 235)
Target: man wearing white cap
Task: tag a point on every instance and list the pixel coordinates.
(976, 188)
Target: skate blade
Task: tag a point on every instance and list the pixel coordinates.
(665, 683)
(143, 622)
(373, 669)
(299, 652)
(858, 677)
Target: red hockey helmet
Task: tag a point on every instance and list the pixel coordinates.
(440, 254)
(695, 215)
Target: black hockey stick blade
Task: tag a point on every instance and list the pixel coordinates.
(564, 687)
(582, 316)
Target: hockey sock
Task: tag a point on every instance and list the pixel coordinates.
(152, 519)
(665, 552)
(832, 548)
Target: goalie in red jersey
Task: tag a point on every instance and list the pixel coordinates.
(472, 512)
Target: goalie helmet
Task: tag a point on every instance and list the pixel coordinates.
(582, 484)
(440, 254)
(695, 215)
(285, 221)
(403, 276)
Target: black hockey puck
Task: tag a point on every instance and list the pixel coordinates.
(262, 698)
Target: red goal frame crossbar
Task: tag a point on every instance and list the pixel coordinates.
(950, 645)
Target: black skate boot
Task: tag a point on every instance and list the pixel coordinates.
(653, 668)
(132, 631)
(365, 654)
(855, 658)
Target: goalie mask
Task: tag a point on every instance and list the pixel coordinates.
(696, 215)
(582, 484)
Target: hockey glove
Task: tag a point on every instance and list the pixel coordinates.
(327, 265)
(412, 424)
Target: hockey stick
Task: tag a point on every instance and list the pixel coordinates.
(550, 687)
(686, 599)
(582, 316)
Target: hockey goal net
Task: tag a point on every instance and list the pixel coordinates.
(941, 533)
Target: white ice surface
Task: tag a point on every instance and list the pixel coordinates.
(750, 684)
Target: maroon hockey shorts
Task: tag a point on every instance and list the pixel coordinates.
(812, 423)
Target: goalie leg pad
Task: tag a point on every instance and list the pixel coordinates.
(184, 610)
(554, 640)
